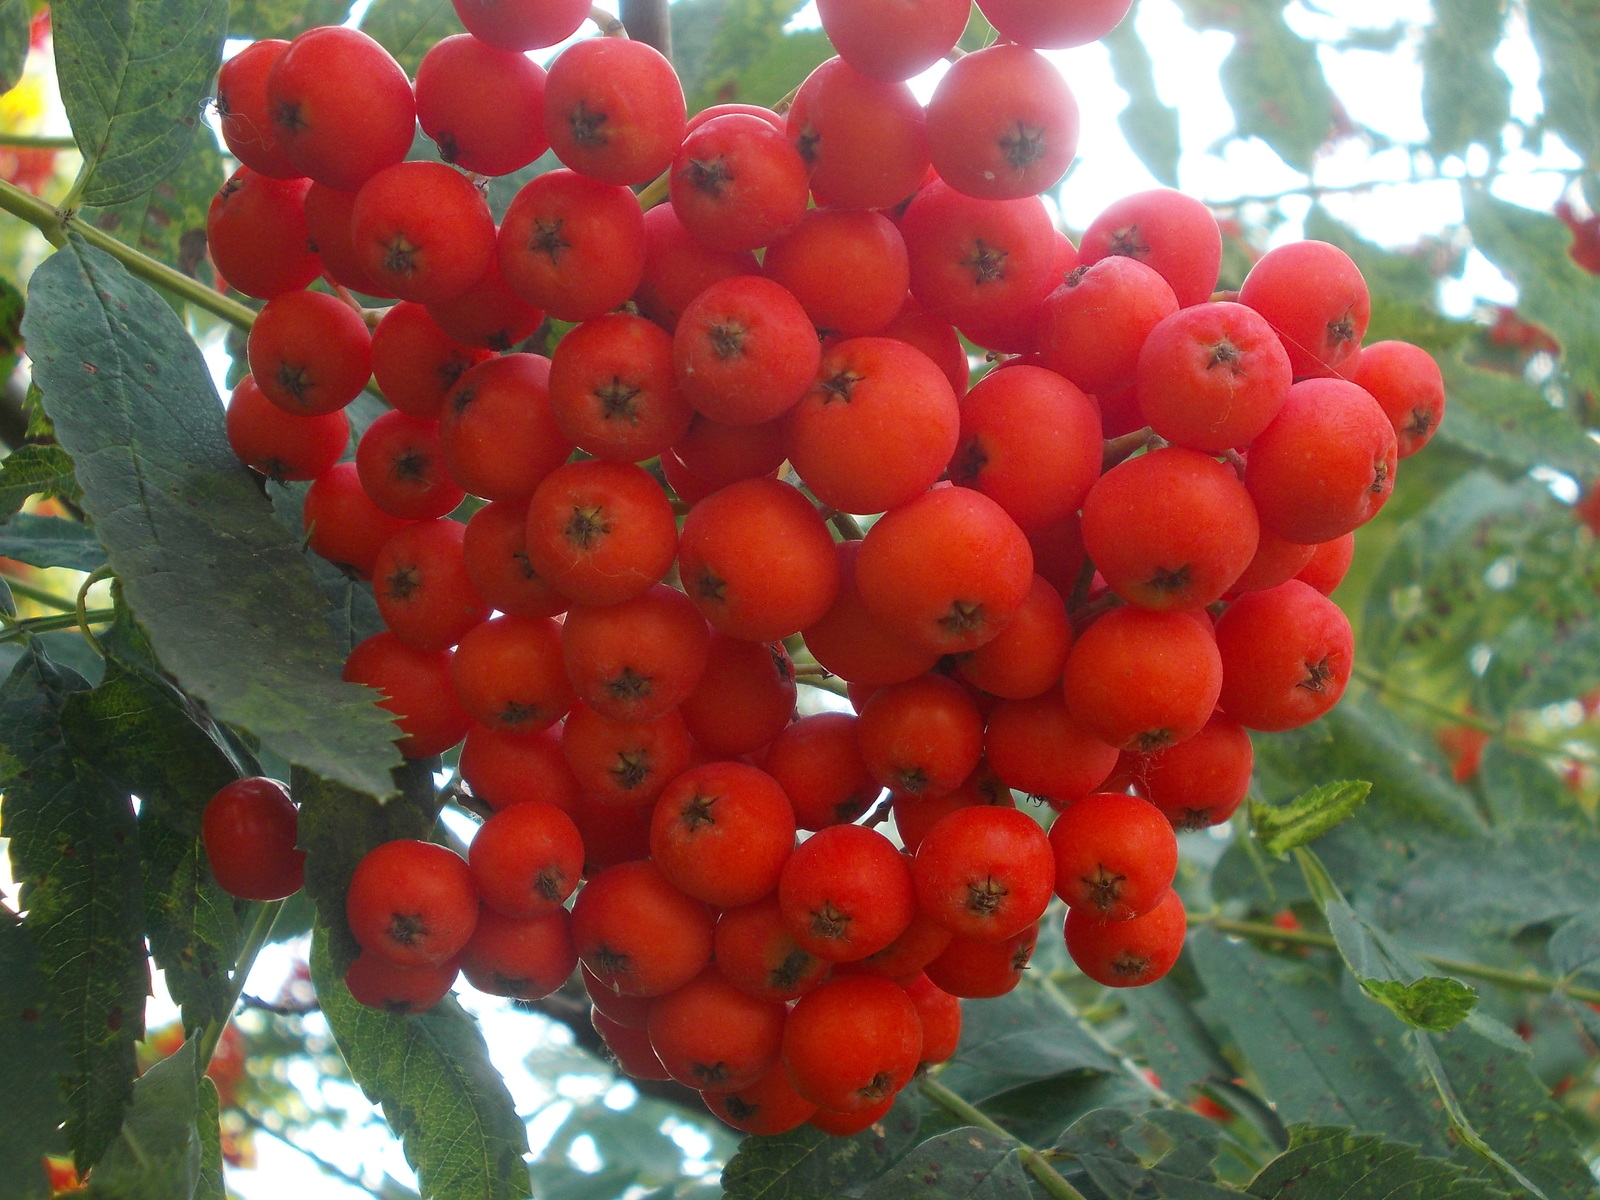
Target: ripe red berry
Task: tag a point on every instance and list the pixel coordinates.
(412, 902)
(249, 829)
(1127, 953)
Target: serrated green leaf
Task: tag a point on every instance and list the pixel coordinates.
(438, 1089)
(1150, 126)
(1506, 421)
(1174, 1040)
(1165, 1154)
(1308, 816)
(168, 222)
(965, 1164)
(1018, 1038)
(157, 1153)
(806, 1163)
(140, 735)
(1275, 86)
(408, 29)
(133, 74)
(282, 18)
(351, 610)
(1394, 977)
(218, 584)
(1566, 35)
(1552, 290)
(1316, 1061)
(1575, 946)
(749, 57)
(210, 1185)
(11, 309)
(338, 825)
(33, 470)
(33, 1058)
(14, 30)
(1466, 97)
(74, 849)
(50, 542)
(1324, 1164)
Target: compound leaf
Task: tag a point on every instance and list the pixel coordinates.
(33, 470)
(50, 542)
(133, 74)
(1566, 35)
(1466, 97)
(1019, 1038)
(1324, 1163)
(219, 585)
(438, 1089)
(33, 1058)
(807, 1163)
(158, 1151)
(964, 1164)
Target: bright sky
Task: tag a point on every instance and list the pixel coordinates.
(1379, 90)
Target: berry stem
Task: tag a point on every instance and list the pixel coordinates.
(56, 224)
(38, 141)
(1260, 932)
(1119, 449)
(68, 620)
(1049, 1178)
(259, 933)
(610, 25)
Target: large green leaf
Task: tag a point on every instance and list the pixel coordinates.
(438, 1089)
(1315, 1060)
(1173, 1038)
(747, 57)
(33, 1058)
(168, 222)
(31, 470)
(210, 1185)
(75, 851)
(1275, 85)
(282, 18)
(1336, 1164)
(1466, 97)
(1566, 34)
(14, 19)
(140, 735)
(807, 1163)
(1531, 248)
(133, 74)
(220, 587)
(1166, 1154)
(408, 29)
(963, 1164)
(1019, 1038)
(339, 825)
(1150, 126)
(157, 1154)
(1394, 977)
(50, 542)
(1506, 421)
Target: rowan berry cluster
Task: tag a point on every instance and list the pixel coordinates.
(1084, 577)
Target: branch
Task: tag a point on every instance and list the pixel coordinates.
(649, 21)
(38, 595)
(37, 141)
(257, 938)
(56, 224)
(31, 625)
(1498, 730)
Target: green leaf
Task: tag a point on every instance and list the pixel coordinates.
(1164, 1154)
(1173, 1038)
(11, 309)
(1336, 1164)
(1395, 977)
(1552, 290)
(1018, 1038)
(1431, 1003)
(157, 1154)
(168, 222)
(1150, 126)
(1316, 1061)
(438, 1089)
(1308, 816)
(14, 22)
(806, 1163)
(1566, 35)
(339, 825)
(74, 849)
(1504, 420)
(1511, 1110)
(1576, 944)
(1466, 97)
(408, 29)
(140, 735)
(282, 18)
(50, 542)
(218, 584)
(351, 610)
(1271, 77)
(133, 74)
(33, 1058)
(749, 57)
(34, 470)
(965, 1164)
(207, 1121)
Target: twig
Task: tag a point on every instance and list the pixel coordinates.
(1049, 1178)
(38, 595)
